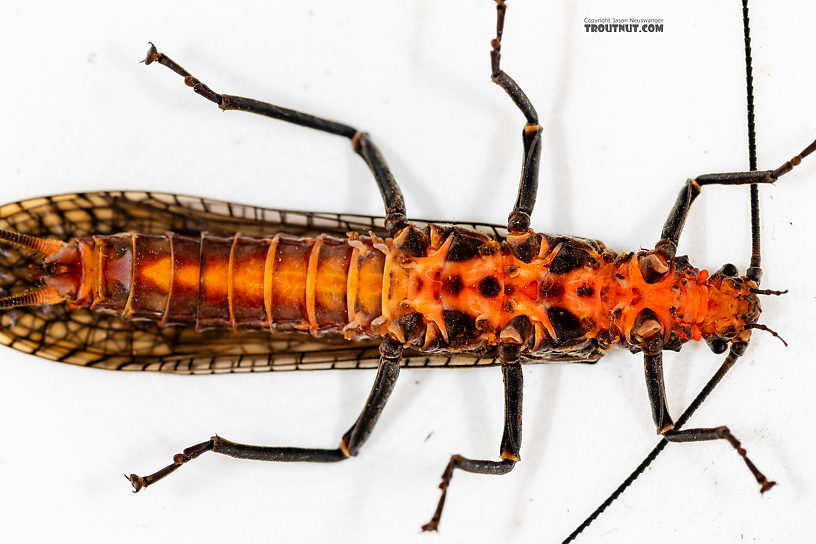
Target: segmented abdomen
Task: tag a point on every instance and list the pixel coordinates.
(282, 283)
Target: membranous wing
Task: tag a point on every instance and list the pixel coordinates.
(82, 337)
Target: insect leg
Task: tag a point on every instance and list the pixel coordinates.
(519, 221)
(653, 365)
(736, 351)
(360, 141)
(667, 246)
(511, 437)
(352, 441)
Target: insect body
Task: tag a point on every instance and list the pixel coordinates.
(466, 293)
(546, 334)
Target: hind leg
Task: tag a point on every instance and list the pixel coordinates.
(352, 441)
(360, 141)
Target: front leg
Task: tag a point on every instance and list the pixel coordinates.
(511, 437)
(653, 364)
(656, 264)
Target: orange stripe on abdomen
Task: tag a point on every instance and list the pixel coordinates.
(182, 304)
(331, 283)
(288, 283)
(247, 283)
(152, 269)
(213, 295)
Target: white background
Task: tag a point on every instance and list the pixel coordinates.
(627, 118)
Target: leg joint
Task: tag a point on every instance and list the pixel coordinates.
(356, 145)
(343, 447)
(518, 222)
(507, 455)
(666, 428)
(391, 349)
(666, 249)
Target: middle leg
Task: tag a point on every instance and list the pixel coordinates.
(518, 223)
(511, 437)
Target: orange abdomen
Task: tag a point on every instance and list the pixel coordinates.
(282, 283)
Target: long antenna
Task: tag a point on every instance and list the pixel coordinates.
(755, 270)
(754, 273)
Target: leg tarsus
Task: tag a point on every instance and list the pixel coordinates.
(447, 474)
(477, 466)
(141, 482)
(788, 165)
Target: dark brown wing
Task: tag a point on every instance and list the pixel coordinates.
(81, 337)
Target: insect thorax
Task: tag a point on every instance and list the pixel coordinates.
(573, 300)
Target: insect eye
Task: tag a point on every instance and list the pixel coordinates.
(718, 345)
(729, 270)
